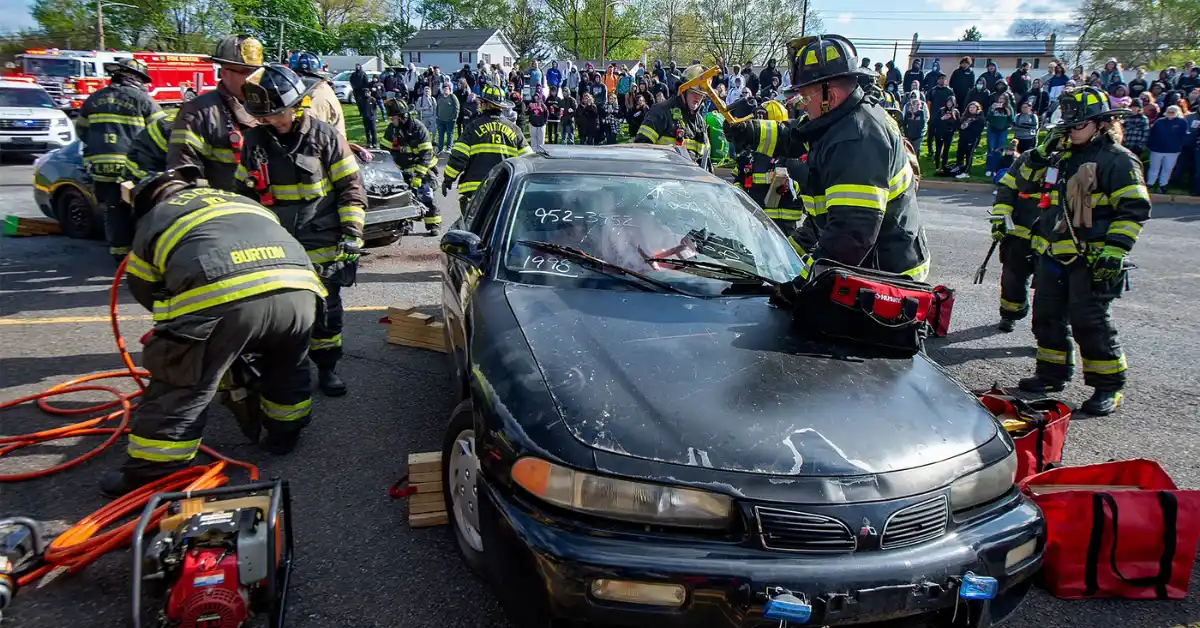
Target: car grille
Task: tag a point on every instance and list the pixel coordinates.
(916, 524)
(54, 88)
(24, 125)
(802, 532)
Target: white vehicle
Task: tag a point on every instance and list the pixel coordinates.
(341, 85)
(30, 120)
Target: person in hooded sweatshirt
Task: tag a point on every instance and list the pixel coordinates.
(573, 79)
(945, 123)
(916, 120)
(1138, 84)
(1111, 77)
(769, 73)
(961, 81)
(991, 77)
(1019, 81)
(554, 77)
(970, 129)
(915, 74)
(931, 78)
(1038, 99)
(893, 73)
(938, 96)
(980, 94)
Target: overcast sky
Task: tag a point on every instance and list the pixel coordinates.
(869, 21)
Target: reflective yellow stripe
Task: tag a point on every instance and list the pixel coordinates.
(170, 238)
(322, 344)
(1039, 244)
(451, 173)
(343, 169)
(900, 183)
(189, 138)
(462, 148)
(162, 450)
(814, 205)
(107, 158)
(852, 195)
(1054, 356)
(1105, 367)
(241, 174)
(806, 264)
(285, 412)
(1099, 199)
(353, 215)
(433, 220)
(648, 133)
(1008, 180)
(767, 138)
(299, 191)
(920, 272)
(525, 150)
(467, 186)
(424, 146)
(494, 149)
(157, 137)
(134, 172)
(796, 246)
(139, 268)
(700, 148)
(222, 155)
(118, 250)
(1018, 231)
(665, 141)
(157, 115)
(116, 118)
(1136, 190)
(760, 177)
(237, 288)
(1126, 228)
(1012, 306)
(322, 255)
(1002, 209)
(1026, 172)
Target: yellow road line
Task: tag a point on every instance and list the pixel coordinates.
(59, 320)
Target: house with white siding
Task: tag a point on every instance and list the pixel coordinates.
(451, 49)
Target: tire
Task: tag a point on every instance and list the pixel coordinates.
(459, 474)
(387, 240)
(76, 215)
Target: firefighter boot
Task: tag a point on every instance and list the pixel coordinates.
(1101, 403)
(116, 483)
(330, 383)
(1036, 384)
(1007, 325)
(280, 442)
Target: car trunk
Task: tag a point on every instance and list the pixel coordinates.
(724, 383)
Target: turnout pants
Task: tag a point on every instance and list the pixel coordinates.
(188, 355)
(1017, 259)
(326, 346)
(1066, 302)
(432, 215)
(118, 217)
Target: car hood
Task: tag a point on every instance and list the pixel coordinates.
(724, 383)
(35, 113)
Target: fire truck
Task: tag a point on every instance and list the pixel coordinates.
(70, 76)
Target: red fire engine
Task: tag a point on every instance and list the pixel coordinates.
(70, 76)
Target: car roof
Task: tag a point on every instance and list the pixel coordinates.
(646, 160)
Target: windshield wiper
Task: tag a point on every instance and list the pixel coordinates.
(601, 266)
(728, 271)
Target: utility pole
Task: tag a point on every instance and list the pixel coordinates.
(604, 34)
(281, 59)
(803, 18)
(895, 49)
(100, 23)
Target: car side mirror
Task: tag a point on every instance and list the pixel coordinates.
(464, 246)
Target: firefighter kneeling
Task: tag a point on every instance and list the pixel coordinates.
(1097, 205)
(303, 170)
(198, 263)
(412, 149)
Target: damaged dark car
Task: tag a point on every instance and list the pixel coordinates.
(643, 439)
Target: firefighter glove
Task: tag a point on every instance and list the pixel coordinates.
(999, 230)
(1109, 265)
(446, 186)
(1053, 142)
(349, 249)
(742, 134)
(415, 183)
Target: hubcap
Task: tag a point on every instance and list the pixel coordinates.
(464, 493)
(79, 214)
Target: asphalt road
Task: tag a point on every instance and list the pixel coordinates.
(359, 564)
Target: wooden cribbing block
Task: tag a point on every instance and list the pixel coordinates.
(410, 328)
(19, 226)
(426, 505)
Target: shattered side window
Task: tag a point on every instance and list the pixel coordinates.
(630, 220)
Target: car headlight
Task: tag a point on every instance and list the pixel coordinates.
(62, 122)
(622, 499)
(984, 485)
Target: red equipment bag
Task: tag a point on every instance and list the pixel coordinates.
(1116, 529)
(943, 305)
(867, 306)
(1038, 428)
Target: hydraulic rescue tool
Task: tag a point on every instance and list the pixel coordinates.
(219, 556)
(21, 546)
(739, 110)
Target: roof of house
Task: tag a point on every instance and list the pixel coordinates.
(450, 39)
(983, 48)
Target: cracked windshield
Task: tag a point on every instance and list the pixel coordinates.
(698, 237)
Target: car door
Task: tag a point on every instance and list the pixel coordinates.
(460, 279)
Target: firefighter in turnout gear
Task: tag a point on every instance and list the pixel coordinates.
(303, 170)
(857, 177)
(222, 279)
(412, 149)
(148, 153)
(210, 129)
(485, 141)
(1013, 216)
(1096, 206)
(678, 120)
(759, 179)
(108, 122)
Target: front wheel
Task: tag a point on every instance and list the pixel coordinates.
(460, 464)
(76, 215)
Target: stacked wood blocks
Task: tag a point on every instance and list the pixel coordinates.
(426, 505)
(18, 226)
(411, 328)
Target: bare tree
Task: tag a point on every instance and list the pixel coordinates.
(1032, 28)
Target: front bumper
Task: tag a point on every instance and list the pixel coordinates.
(726, 582)
(35, 141)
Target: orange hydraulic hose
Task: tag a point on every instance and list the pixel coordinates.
(85, 542)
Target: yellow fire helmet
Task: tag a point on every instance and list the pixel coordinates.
(775, 111)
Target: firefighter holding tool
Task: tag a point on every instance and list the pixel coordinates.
(486, 140)
(303, 170)
(209, 130)
(108, 122)
(1094, 205)
(222, 278)
(412, 148)
(1014, 214)
(857, 178)
(678, 120)
(762, 181)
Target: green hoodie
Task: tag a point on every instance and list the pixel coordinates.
(999, 120)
